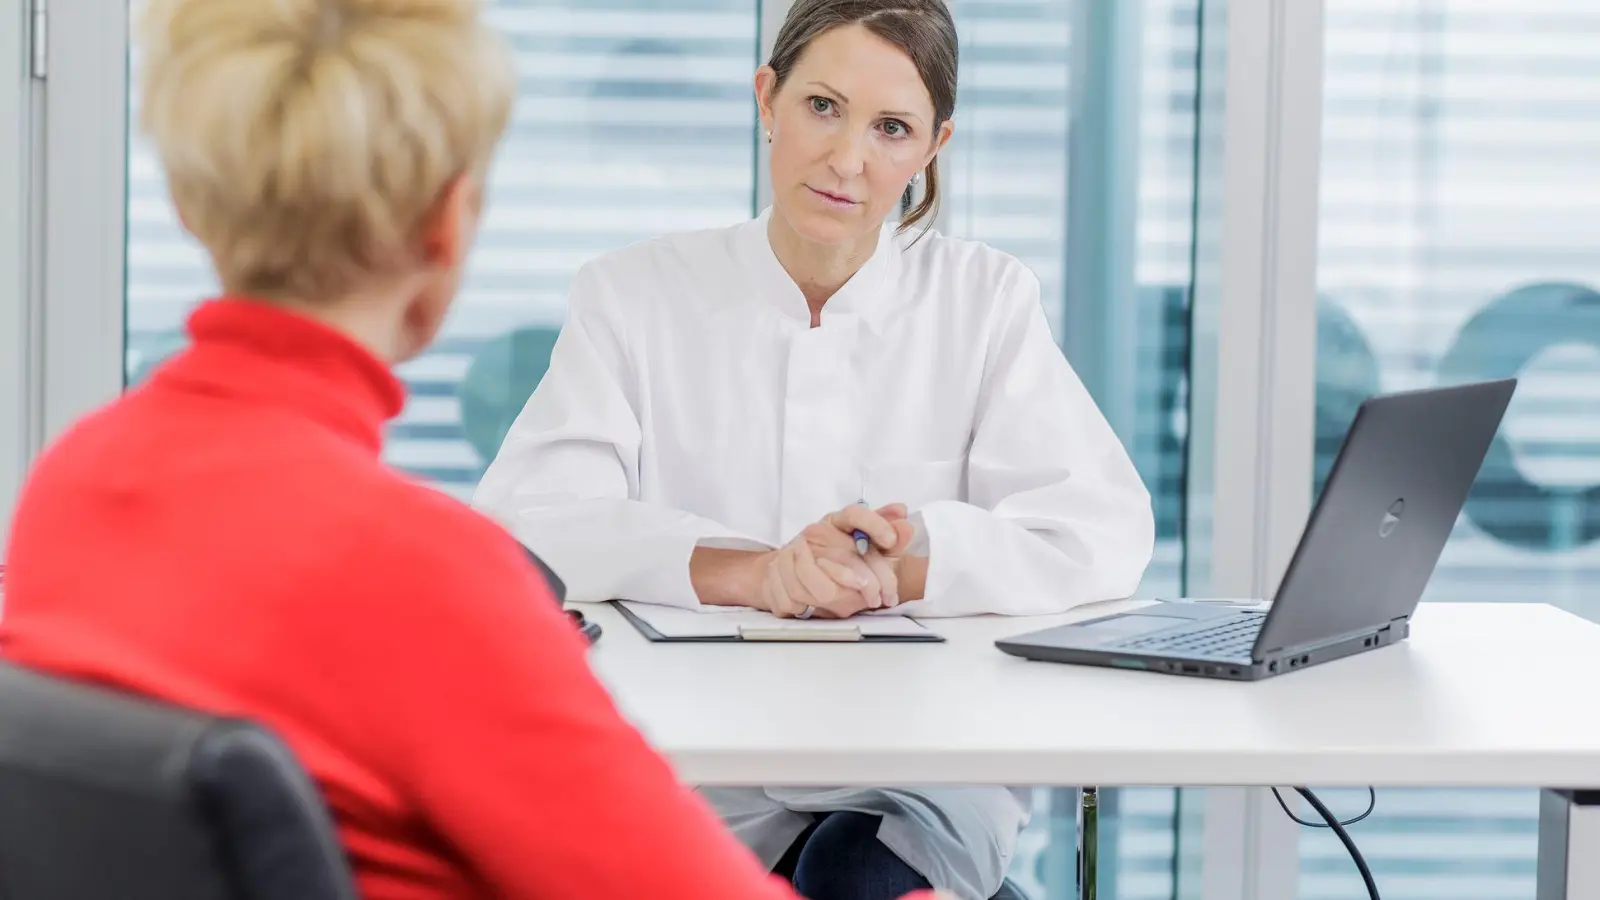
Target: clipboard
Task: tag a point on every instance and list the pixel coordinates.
(670, 625)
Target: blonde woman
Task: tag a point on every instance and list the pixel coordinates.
(226, 536)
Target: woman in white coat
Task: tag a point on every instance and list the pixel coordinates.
(720, 403)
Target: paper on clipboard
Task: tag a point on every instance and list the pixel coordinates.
(675, 622)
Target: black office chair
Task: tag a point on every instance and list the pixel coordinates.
(103, 795)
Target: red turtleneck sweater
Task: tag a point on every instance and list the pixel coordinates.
(226, 537)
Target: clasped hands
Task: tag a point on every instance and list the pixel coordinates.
(822, 570)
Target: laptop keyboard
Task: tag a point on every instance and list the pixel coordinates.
(1230, 638)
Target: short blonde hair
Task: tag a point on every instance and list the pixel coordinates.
(306, 141)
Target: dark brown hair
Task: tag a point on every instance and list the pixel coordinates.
(922, 29)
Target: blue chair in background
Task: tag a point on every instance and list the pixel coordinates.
(503, 375)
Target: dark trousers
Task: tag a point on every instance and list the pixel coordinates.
(839, 857)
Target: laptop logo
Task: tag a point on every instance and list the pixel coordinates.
(1391, 518)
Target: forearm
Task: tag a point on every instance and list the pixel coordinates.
(609, 549)
(983, 562)
(728, 577)
(911, 575)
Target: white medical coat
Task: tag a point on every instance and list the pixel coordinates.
(689, 402)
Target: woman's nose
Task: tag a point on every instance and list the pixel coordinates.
(848, 155)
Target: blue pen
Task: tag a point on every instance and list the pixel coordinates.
(863, 543)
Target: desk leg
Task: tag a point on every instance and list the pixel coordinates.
(1088, 843)
(1569, 845)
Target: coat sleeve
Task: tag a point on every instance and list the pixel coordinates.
(566, 479)
(1056, 515)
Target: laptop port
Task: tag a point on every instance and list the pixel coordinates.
(1191, 669)
(1305, 660)
(1233, 672)
(1294, 662)
(1272, 666)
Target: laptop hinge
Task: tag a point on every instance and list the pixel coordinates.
(1299, 648)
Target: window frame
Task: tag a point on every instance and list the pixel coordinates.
(85, 200)
(19, 95)
(1253, 344)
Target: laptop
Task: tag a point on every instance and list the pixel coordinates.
(1368, 550)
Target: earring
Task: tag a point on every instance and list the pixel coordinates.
(769, 135)
(916, 179)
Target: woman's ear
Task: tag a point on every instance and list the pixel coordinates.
(183, 220)
(940, 138)
(452, 223)
(766, 79)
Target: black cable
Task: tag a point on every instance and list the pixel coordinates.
(1344, 836)
(1372, 803)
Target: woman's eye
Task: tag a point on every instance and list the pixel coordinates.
(895, 128)
(821, 105)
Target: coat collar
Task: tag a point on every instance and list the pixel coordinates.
(868, 296)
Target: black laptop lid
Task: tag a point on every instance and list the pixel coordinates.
(1385, 514)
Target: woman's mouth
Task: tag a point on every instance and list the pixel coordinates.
(838, 201)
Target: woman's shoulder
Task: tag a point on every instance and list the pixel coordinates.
(668, 256)
(967, 271)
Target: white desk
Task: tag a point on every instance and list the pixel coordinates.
(1480, 695)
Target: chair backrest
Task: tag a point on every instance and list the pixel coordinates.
(503, 374)
(107, 795)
